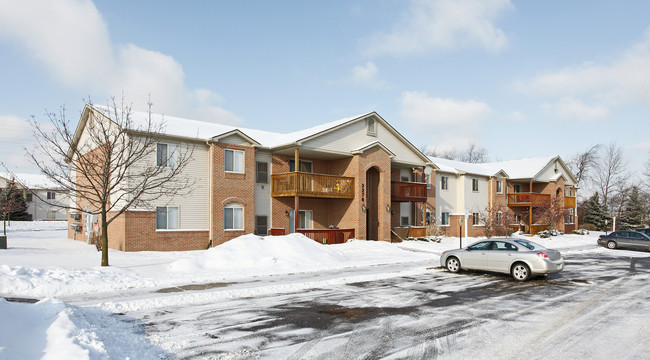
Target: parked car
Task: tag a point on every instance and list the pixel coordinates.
(645, 231)
(625, 239)
(518, 257)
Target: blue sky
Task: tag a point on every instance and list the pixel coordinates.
(522, 79)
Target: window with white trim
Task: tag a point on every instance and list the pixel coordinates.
(444, 218)
(233, 217)
(371, 127)
(499, 217)
(167, 217)
(167, 155)
(51, 195)
(305, 220)
(499, 186)
(475, 219)
(234, 160)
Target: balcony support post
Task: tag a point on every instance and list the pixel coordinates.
(296, 198)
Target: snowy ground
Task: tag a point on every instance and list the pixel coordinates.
(76, 316)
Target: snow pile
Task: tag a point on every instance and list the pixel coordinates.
(264, 255)
(51, 329)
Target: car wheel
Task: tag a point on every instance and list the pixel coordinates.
(520, 272)
(611, 245)
(453, 264)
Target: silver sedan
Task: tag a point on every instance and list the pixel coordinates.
(518, 257)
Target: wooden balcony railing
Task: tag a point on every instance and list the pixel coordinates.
(312, 185)
(328, 236)
(528, 199)
(408, 191)
(569, 201)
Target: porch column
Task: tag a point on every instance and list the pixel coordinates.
(296, 198)
(530, 219)
(424, 204)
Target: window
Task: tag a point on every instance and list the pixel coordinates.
(568, 218)
(233, 217)
(261, 227)
(499, 217)
(234, 160)
(428, 217)
(167, 155)
(475, 219)
(167, 217)
(484, 245)
(305, 166)
(445, 218)
(475, 185)
(499, 187)
(304, 220)
(427, 180)
(28, 197)
(51, 195)
(404, 221)
(517, 188)
(405, 178)
(371, 127)
(261, 172)
(444, 182)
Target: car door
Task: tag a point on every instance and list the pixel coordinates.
(624, 239)
(638, 240)
(475, 257)
(500, 256)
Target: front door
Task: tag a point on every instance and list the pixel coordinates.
(372, 204)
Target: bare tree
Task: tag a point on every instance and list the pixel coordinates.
(109, 163)
(582, 163)
(610, 172)
(552, 213)
(474, 154)
(495, 220)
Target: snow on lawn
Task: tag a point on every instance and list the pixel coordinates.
(41, 262)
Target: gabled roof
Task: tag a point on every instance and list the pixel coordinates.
(200, 130)
(371, 145)
(522, 169)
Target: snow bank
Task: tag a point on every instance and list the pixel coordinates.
(34, 225)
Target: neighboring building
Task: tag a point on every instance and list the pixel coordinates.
(525, 189)
(355, 177)
(44, 199)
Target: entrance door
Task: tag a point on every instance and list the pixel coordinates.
(372, 204)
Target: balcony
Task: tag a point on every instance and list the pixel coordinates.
(408, 191)
(328, 236)
(529, 199)
(569, 201)
(312, 185)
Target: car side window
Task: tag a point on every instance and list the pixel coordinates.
(503, 246)
(635, 235)
(622, 234)
(481, 246)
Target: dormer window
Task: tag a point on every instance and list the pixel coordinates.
(371, 127)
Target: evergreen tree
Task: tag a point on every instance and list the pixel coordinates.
(595, 213)
(634, 213)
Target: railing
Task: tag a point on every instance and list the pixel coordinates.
(408, 191)
(528, 199)
(328, 236)
(312, 185)
(569, 201)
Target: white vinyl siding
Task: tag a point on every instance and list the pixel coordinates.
(263, 191)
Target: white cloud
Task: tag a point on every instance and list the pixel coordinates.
(622, 80)
(576, 110)
(443, 25)
(14, 128)
(71, 39)
(448, 123)
(367, 75)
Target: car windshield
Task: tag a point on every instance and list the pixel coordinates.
(529, 244)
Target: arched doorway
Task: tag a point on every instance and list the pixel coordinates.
(372, 204)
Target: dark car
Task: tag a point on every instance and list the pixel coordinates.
(645, 231)
(625, 239)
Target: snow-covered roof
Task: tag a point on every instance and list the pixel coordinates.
(202, 130)
(513, 169)
(32, 181)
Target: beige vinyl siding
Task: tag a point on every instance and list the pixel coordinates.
(263, 191)
(193, 207)
(235, 140)
(354, 136)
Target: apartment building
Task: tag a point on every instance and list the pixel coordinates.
(44, 199)
(356, 177)
(523, 191)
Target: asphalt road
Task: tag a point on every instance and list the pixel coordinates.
(597, 308)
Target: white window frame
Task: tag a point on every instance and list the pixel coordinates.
(307, 215)
(237, 163)
(475, 219)
(499, 187)
(172, 217)
(51, 195)
(371, 127)
(237, 211)
(171, 156)
(443, 217)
